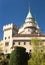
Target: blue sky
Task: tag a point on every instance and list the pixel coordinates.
(15, 11)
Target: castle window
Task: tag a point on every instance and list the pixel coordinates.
(13, 43)
(18, 43)
(5, 38)
(9, 37)
(24, 43)
(7, 43)
(30, 50)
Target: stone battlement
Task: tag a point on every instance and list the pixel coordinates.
(8, 26)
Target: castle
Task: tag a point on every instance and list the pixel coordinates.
(14, 36)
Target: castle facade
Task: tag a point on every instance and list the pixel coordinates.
(14, 36)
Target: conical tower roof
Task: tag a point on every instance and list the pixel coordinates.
(29, 15)
(37, 25)
(30, 26)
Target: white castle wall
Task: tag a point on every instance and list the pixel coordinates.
(8, 37)
(27, 41)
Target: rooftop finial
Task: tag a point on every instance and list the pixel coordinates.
(29, 6)
(29, 13)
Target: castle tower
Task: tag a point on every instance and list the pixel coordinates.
(9, 31)
(30, 26)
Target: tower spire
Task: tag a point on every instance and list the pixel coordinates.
(29, 15)
(29, 7)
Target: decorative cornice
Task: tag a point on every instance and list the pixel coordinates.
(25, 40)
(30, 35)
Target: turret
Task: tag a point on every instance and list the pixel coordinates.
(30, 26)
(10, 31)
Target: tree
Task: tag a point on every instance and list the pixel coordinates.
(18, 56)
(37, 53)
(36, 44)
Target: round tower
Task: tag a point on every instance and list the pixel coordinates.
(30, 26)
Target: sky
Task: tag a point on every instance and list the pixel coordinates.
(15, 11)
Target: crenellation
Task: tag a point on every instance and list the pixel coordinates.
(8, 26)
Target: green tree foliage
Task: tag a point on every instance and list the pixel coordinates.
(38, 56)
(18, 56)
(3, 59)
(36, 44)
